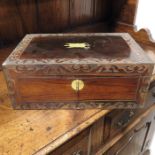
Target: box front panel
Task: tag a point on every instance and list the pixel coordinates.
(109, 88)
(66, 90)
(47, 89)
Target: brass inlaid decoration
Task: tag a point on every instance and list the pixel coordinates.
(77, 45)
(77, 85)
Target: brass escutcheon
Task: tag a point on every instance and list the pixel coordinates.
(77, 85)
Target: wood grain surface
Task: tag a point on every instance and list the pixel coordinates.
(18, 18)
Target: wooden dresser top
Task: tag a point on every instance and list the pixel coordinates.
(29, 131)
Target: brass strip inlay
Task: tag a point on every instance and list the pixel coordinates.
(77, 45)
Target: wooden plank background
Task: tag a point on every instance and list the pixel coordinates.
(19, 17)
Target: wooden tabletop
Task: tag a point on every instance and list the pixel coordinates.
(25, 132)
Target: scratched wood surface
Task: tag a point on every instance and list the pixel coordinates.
(25, 132)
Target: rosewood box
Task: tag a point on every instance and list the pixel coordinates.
(78, 71)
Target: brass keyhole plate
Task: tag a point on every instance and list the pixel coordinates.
(77, 85)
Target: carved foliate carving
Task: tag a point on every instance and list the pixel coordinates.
(80, 105)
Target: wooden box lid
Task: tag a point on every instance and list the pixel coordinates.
(81, 54)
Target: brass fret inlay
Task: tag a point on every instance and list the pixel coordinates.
(77, 45)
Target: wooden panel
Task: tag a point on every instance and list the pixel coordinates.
(81, 12)
(150, 132)
(110, 88)
(137, 140)
(59, 89)
(97, 133)
(117, 120)
(128, 12)
(53, 15)
(100, 10)
(10, 22)
(45, 90)
(77, 145)
(113, 11)
(48, 16)
(91, 28)
(136, 131)
(27, 11)
(132, 142)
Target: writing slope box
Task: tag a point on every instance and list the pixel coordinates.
(78, 71)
